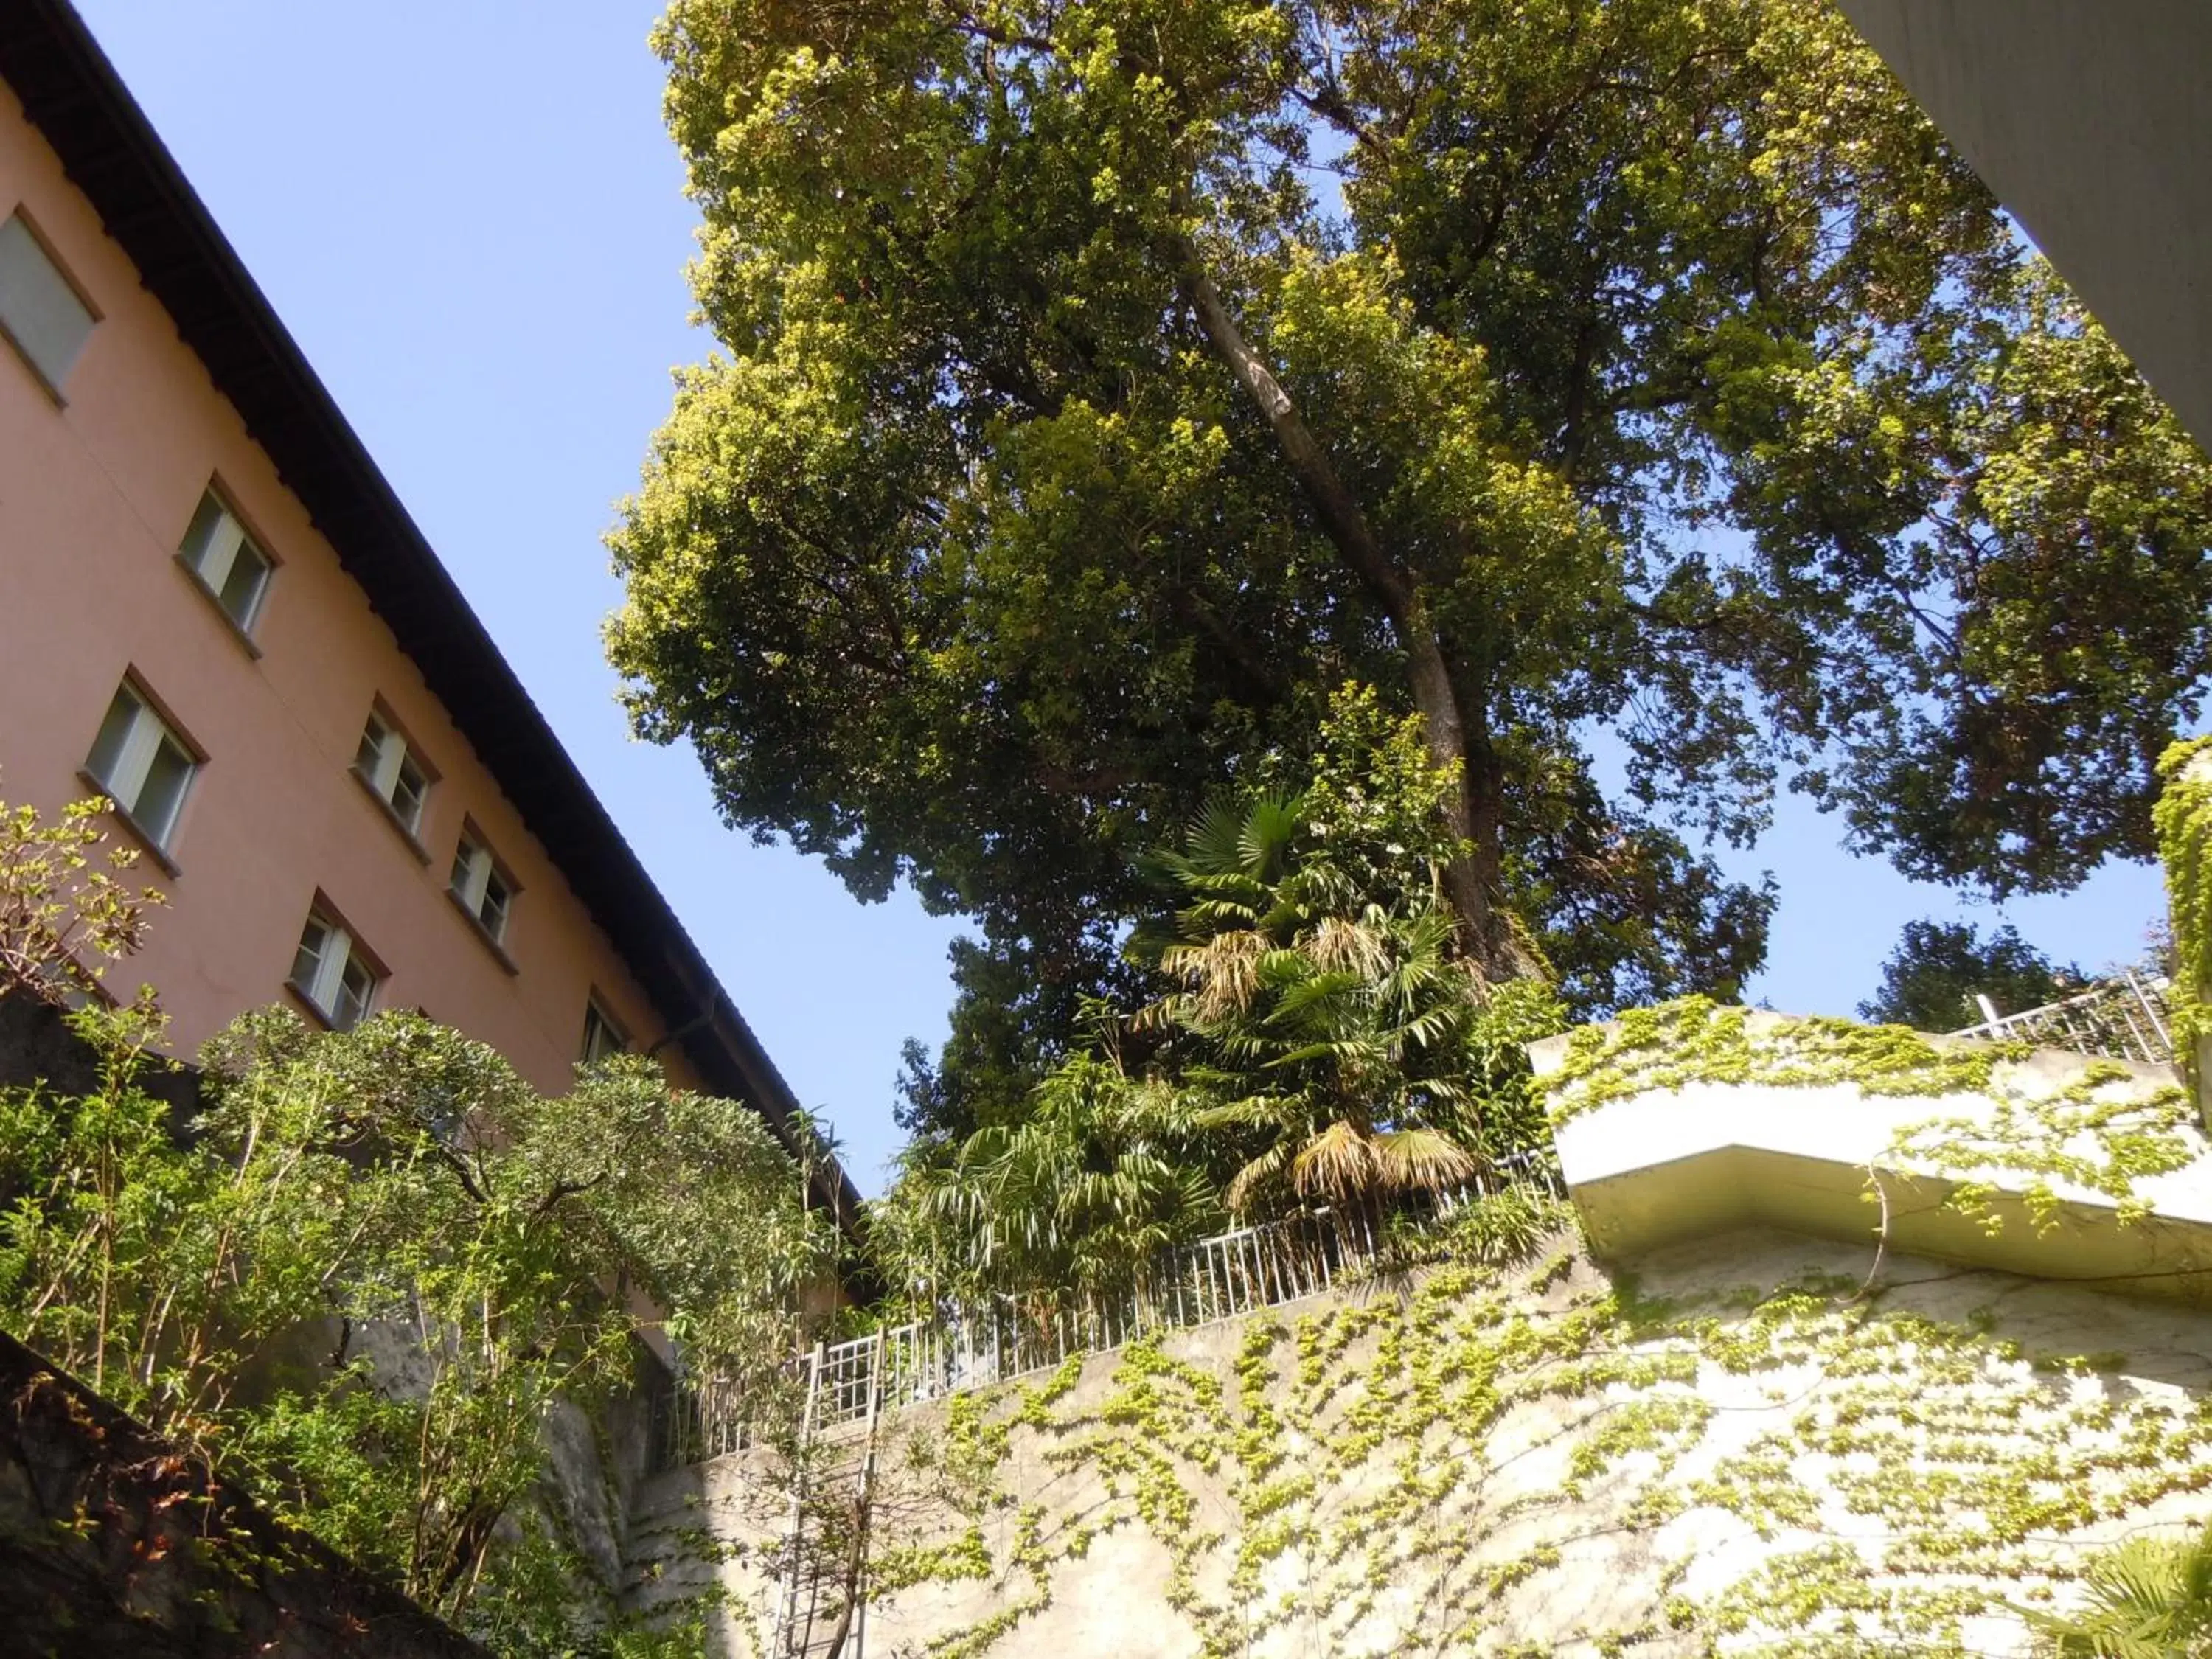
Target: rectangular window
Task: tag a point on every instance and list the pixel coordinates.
(602, 1037)
(335, 975)
(141, 765)
(392, 770)
(483, 888)
(230, 566)
(40, 310)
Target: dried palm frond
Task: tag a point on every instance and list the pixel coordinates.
(1223, 973)
(1339, 1163)
(1339, 943)
(1424, 1160)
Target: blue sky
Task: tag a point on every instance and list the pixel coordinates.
(470, 217)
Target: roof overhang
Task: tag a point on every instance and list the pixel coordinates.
(112, 153)
(2088, 121)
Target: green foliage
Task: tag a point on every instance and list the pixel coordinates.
(1316, 1036)
(2101, 1132)
(2147, 1599)
(377, 1266)
(2184, 842)
(1323, 1026)
(1455, 1463)
(1074, 1198)
(1695, 1040)
(1931, 978)
(66, 909)
(1500, 1229)
(1652, 367)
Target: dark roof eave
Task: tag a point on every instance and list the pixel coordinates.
(70, 91)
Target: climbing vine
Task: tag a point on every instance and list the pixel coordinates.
(1537, 1459)
(1696, 1040)
(2183, 819)
(2100, 1130)
(1526, 1457)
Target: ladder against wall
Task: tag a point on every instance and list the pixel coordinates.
(823, 1612)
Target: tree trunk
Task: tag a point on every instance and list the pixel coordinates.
(1472, 812)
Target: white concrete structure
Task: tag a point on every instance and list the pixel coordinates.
(2091, 120)
(1687, 1163)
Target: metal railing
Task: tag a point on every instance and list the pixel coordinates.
(2123, 1019)
(974, 1346)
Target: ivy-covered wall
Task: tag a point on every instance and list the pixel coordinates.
(2183, 818)
(1739, 1449)
(1718, 1439)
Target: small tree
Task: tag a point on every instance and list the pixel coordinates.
(1931, 978)
(66, 910)
(379, 1264)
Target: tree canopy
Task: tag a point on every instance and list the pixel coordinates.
(379, 1267)
(1930, 980)
(370, 1270)
(1103, 382)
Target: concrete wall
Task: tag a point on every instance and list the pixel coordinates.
(1689, 1161)
(1738, 1446)
(2088, 121)
(96, 491)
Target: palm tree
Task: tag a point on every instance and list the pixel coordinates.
(1330, 1028)
(1080, 1194)
(2148, 1598)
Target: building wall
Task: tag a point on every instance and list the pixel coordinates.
(95, 495)
(2088, 122)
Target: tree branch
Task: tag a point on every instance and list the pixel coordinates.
(1346, 526)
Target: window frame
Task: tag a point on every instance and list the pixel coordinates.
(322, 912)
(94, 316)
(473, 839)
(596, 1014)
(379, 712)
(251, 537)
(158, 845)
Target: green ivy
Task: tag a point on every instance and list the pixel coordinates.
(2183, 820)
(1697, 1040)
(1921, 1473)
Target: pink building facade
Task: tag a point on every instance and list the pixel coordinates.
(213, 609)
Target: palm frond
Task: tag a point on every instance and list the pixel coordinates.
(1419, 1159)
(2148, 1598)
(1257, 1174)
(1271, 824)
(1338, 942)
(1223, 973)
(1339, 1163)
(1214, 842)
(1251, 1112)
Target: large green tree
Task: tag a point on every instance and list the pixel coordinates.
(1103, 380)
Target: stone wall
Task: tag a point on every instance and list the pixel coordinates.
(37, 1048)
(1741, 1447)
(114, 1541)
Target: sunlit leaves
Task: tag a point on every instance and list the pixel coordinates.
(1705, 408)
